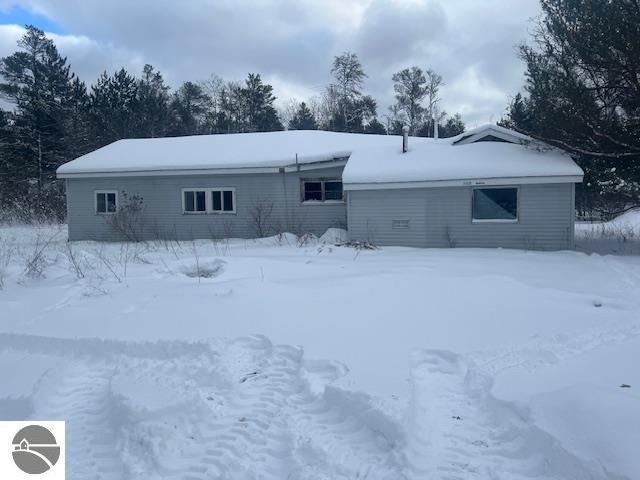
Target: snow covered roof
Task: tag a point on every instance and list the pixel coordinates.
(374, 160)
(508, 157)
(248, 151)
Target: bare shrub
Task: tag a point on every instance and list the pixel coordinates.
(306, 239)
(7, 251)
(104, 260)
(358, 245)
(451, 241)
(261, 213)
(128, 221)
(74, 262)
(35, 260)
(194, 247)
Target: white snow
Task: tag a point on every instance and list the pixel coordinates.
(619, 236)
(238, 150)
(304, 360)
(440, 160)
(372, 158)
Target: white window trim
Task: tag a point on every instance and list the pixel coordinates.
(497, 220)
(208, 203)
(95, 201)
(322, 182)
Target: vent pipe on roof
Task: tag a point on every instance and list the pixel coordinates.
(405, 139)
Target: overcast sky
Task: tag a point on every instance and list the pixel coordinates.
(471, 43)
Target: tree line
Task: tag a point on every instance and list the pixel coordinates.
(55, 117)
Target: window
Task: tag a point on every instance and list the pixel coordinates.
(195, 201)
(322, 191)
(222, 201)
(495, 204)
(106, 201)
(399, 224)
(209, 200)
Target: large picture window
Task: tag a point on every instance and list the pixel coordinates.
(495, 204)
(209, 200)
(322, 190)
(106, 201)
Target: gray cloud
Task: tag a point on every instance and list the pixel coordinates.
(292, 43)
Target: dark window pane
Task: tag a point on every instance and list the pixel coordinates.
(189, 202)
(200, 202)
(111, 202)
(228, 201)
(216, 201)
(495, 204)
(333, 190)
(101, 203)
(312, 191)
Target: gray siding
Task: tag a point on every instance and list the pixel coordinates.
(441, 217)
(163, 216)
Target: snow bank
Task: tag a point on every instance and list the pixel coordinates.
(334, 236)
(620, 235)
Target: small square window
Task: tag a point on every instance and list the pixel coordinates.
(333, 190)
(106, 202)
(312, 191)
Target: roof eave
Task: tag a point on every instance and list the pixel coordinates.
(291, 167)
(466, 182)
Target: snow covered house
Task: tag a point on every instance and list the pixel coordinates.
(489, 187)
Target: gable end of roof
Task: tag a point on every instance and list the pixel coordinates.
(491, 133)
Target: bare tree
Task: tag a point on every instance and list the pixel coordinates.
(349, 74)
(434, 82)
(288, 112)
(410, 86)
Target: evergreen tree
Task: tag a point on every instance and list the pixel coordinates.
(303, 119)
(37, 81)
(452, 127)
(189, 110)
(77, 139)
(114, 107)
(258, 99)
(153, 104)
(375, 127)
(583, 94)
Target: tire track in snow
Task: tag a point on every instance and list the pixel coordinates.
(458, 431)
(81, 395)
(243, 409)
(544, 351)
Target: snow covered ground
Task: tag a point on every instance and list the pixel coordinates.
(291, 358)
